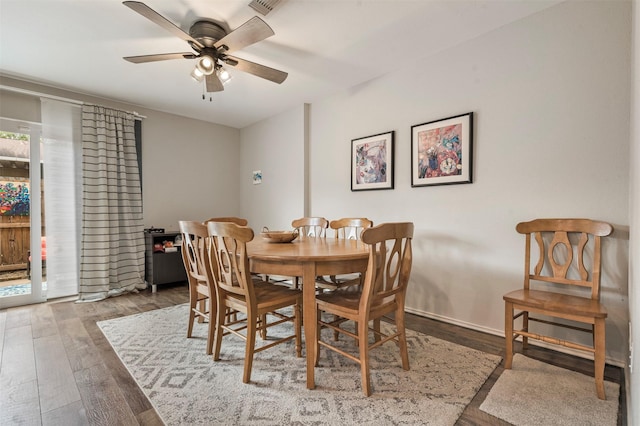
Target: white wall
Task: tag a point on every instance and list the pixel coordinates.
(276, 147)
(550, 95)
(189, 170)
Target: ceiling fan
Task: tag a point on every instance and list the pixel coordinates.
(211, 46)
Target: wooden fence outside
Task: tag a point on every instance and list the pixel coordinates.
(15, 237)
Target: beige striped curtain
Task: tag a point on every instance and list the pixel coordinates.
(112, 247)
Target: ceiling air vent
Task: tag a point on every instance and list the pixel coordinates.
(264, 6)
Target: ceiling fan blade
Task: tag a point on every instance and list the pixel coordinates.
(158, 19)
(213, 83)
(265, 72)
(252, 31)
(159, 57)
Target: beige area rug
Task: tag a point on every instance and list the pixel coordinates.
(187, 387)
(535, 393)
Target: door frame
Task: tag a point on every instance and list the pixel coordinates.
(34, 130)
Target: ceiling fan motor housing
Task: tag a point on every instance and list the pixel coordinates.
(207, 32)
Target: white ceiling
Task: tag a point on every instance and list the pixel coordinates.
(324, 45)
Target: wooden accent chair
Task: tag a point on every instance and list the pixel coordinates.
(237, 220)
(559, 241)
(236, 290)
(383, 292)
(202, 303)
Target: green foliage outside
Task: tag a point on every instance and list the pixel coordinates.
(14, 136)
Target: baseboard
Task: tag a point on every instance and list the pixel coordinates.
(500, 333)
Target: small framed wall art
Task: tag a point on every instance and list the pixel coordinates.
(372, 162)
(257, 177)
(441, 151)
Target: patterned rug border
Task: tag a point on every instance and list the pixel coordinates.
(443, 379)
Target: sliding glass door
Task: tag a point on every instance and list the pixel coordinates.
(22, 231)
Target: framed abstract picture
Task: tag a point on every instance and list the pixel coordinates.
(441, 151)
(372, 162)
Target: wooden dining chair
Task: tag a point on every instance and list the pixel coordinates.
(314, 227)
(350, 229)
(258, 300)
(383, 292)
(307, 227)
(237, 220)
(565, 260)
(202, 303)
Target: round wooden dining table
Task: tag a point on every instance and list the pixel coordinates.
(308, 258)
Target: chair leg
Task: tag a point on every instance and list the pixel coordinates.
(402, 338)
(508, 334)
(318, 334)
(222, 315)
(297, 309)
(250, 346)
(336, 335)
(231, 315)
(213, 320)
(211, 336)
(263, 326)
(525, 327)
(363, 332)
(192, 315)
(376, 327)
(202, 307)
(599, 356)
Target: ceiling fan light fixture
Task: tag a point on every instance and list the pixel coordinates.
(197, 75)
(205, 65)
(223, 75)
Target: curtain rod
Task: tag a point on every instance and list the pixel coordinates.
(55, 98)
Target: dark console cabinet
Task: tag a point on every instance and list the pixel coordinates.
(163, 267)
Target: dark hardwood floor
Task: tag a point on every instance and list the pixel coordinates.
(57, 368)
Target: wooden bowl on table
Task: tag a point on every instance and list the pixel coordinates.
(278, 236)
